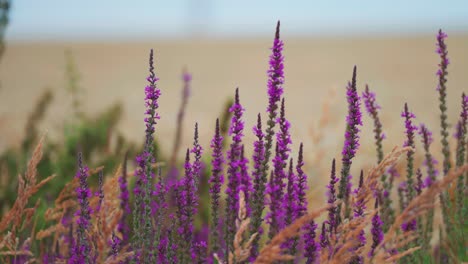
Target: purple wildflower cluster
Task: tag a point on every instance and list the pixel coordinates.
(277, 184)
(169, 220)
(234, 170)
(351, 143)
(410, 130)
(376, 231)
(82, 245)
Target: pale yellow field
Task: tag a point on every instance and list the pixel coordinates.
(399, 70)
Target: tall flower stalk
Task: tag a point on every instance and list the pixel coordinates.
(82, 245)
(186, 210)
(430, 162)
(216, 181)
(372, 108)
(245, 182)
(233, 171)
(442, 89)
(260, 180)
(351, 143)
(376, 231)
(290, 205)
(124, 196)
(277, 184)
(333, 212)
(410, 129)
(143, 228)
(275, 91)
(461, 135)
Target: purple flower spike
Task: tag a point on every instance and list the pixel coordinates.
(197, 150)
(290, 205)
(245, 182)
(233, 171)
(360, 204)
(260, 180)
(142, 220)
(186, 208)
(419, 182)
(277, 186)
(460, 156)
(351, 143)
(373, 110)
(359, 208)
(410, 130)
(216, 181)
(301, 184)
(442, 89)
(332, 211)
(275, 74)
(124, 196)
(311, 247)
(290, 196)
(430, 162)
(275, 91)
(82, 245)
(376, 231)
(324, 242)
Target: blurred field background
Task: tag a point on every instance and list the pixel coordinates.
(392, 46)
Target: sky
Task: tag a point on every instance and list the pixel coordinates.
(83, 20)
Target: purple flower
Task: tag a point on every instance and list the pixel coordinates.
(275, 91)
(311, 247)
(301, 184)
(351, 143)
(419, 182)
(373, 110)
(197, 150)
(216, 181)
(409, 226)
(82, 245)
(290, 197)
(186, 208)
(290, 205)
(260, 180)
(124, 196)
(275, 74)
(360, 204)
(461, 154)
(233, 171)
(245, 182)
(376, 231)
(410, 130)
(429, 160)
(143, 188)
(359, 208)
(115, 245)
(324, 242)
(276, 189)
(332, 211)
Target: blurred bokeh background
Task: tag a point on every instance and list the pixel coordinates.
(92, 55)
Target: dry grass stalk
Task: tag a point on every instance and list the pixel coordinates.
(106, 220)
(420, 205)
(345, 244)
(26, 188)
(241, 247)
(273, 252)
